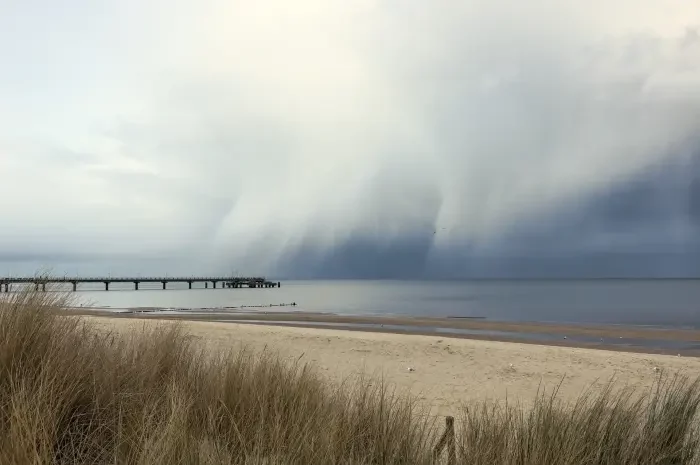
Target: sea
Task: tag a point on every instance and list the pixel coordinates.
(660, 303)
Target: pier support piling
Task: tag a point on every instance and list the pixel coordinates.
(106, 285)
(75, 286)
(164, 283)
(136, 285)
(206, 285)
(190, 284)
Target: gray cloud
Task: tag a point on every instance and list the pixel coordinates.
(356, 139)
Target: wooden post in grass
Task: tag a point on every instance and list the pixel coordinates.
(447, 440)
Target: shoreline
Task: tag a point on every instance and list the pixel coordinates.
(617, 338)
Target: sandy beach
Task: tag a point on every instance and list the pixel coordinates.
(446, 371)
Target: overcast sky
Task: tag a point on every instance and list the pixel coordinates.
(361, 138)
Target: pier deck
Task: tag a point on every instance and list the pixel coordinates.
(225, 281)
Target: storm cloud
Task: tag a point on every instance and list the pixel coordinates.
(351, 139)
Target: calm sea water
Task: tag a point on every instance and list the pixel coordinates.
(635, 302)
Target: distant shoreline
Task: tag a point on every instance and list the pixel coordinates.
(621, 338)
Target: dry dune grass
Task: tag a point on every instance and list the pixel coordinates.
(70, 394)
(609, 427)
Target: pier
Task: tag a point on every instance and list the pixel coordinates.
(224, 282)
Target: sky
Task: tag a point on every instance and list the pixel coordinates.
(363, 139)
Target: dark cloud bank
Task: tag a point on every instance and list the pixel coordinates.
(648, 226)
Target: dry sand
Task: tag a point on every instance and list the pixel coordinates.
(448, 371)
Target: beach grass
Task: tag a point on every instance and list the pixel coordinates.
(612, 426)
(74, 394)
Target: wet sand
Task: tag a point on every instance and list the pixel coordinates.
(652, 340)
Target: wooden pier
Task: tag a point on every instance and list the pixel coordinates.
(225, 281)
